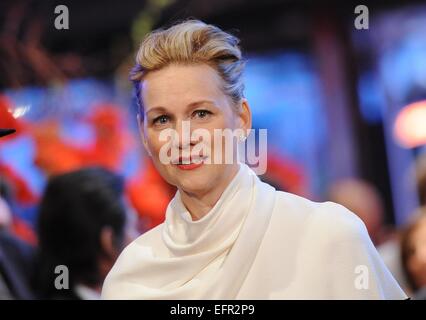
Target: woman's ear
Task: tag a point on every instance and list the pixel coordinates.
(245, 116)
(142, 134)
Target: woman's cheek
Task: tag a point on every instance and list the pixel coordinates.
(155, 143)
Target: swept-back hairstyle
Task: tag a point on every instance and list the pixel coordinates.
(191, 42)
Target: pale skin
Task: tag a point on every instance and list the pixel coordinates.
(192, 93)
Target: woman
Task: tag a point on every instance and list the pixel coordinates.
(226, 234)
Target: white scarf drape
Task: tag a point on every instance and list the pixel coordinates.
(205, 259)
(256, 243)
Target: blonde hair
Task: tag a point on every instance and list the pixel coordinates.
(191, 42)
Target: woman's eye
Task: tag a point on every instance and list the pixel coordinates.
(161, 120)
(202, 113)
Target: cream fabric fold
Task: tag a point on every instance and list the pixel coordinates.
(256, 243)
(203, 258)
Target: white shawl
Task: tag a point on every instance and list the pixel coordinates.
(256, 243)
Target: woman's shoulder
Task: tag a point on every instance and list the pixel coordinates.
(328, 217)
(339, 223)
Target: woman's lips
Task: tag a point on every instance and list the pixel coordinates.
(189, 164)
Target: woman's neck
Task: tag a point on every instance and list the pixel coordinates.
(200, 203)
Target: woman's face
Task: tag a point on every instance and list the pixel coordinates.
(185, 99)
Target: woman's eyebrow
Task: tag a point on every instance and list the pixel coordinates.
(200, 102)
(156, 109)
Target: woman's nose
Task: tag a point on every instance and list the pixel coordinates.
(182, 136)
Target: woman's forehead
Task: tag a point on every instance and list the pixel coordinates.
(181, 84)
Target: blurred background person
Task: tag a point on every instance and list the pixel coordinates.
(364, 200)
(84, 222)
(413, 254)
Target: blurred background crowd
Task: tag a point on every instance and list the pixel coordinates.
(345, 111)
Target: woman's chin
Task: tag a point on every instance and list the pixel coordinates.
(193, 181)
(193, 184)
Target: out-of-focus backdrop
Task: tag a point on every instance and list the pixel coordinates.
(345, 107)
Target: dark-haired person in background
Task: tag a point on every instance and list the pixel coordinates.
(84, 222)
